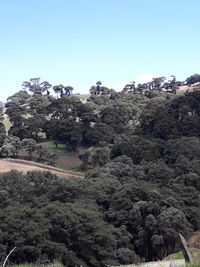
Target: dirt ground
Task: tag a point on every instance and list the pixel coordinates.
(6, 166)
(169, 263)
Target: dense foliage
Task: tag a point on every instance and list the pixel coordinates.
(142, 183)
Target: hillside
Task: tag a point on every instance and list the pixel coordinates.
(185, 88)
(139, 150)
(24, 166)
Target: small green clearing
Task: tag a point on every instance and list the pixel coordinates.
(52, 147)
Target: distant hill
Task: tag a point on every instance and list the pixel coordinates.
(189, 87)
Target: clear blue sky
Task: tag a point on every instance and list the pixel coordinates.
(78, 42)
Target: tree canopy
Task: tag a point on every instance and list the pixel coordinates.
(140, 154)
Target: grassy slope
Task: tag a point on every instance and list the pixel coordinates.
(66, 160)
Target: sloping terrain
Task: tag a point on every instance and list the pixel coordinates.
(189, 88)
(169, 263)
(25, 166)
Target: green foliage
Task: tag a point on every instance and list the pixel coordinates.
(29, 145)
(99, 134)
(94, 157)
(52, 147)
(143, 180)
(193, 79)
(11, 146)
(175, 256)
(136, 147)
(38, 223)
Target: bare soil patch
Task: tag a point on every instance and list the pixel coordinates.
(69, 160)
(189, 88)
(194, 241)
(7, 165)
(170, 263)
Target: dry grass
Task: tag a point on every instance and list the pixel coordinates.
(169, 263)
(25, 166)
(190, 88)
(65, 160)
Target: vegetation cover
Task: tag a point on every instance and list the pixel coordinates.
(142, 182)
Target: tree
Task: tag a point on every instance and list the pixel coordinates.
(35, 126)
(63, 90)
(20, 98)
(68, 90)
(157, 82)
(99, 89)
(129, 88)
(38, 104)
(94, 157)
(11, 146)
(2, 127)
(117, 115)
(29, 145)
(37, 88)
(99, 134)
(171, 222)
(136, 147)
(64, 108)
(46, 85)
(157, 119)
(193, 79)
(16, 113)
(58, 89)
(65, 131)
(189, 147)
(43, 155)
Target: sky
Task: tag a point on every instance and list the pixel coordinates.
(80, 42)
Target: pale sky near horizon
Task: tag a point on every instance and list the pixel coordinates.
(78, 42)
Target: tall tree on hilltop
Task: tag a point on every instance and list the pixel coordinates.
(68, 90)
(37, 88)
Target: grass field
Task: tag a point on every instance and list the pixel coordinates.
(52, 147)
